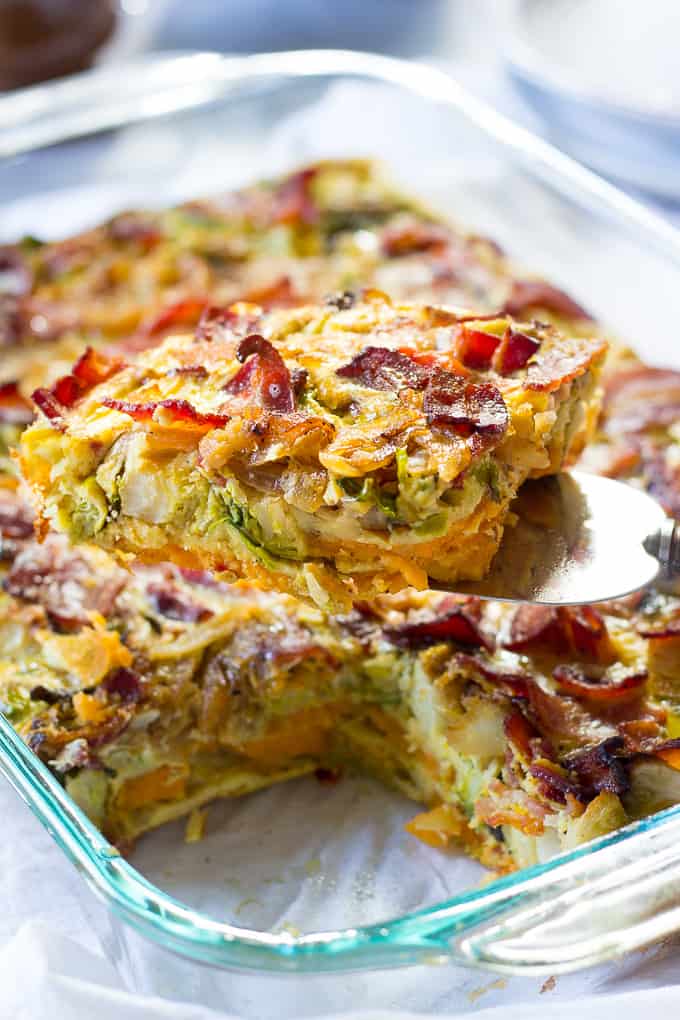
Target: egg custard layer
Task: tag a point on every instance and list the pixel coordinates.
(334, 452)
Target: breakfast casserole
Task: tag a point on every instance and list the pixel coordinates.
(151, 690)
(335, 452)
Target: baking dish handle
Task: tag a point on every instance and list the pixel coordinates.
(606, 898)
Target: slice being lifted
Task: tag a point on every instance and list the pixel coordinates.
(332, 452)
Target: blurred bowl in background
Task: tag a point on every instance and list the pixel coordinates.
(605, 79)
(41, 39)
(400, 27)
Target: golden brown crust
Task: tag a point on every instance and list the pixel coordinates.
(333, 453)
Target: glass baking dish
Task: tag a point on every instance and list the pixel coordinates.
(175, 127)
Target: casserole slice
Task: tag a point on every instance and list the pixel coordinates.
(335, 452)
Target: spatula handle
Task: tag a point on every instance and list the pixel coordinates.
(664, 544)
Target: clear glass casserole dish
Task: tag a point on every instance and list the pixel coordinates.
(179, 127)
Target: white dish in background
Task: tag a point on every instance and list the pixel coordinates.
(605, 78)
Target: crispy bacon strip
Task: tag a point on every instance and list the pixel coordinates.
(514, 684)
(135, 227)
(601, 768)
(362, 623)
(452, 403)
(574, 681)
(578, 630)
(265, 372)
(641, 398)
(476, 348)
(522, 734)
(50, 406)
(562, 718)
(414, 237)
(16, 524)
(123, 683)
(432, 360)
(640, 388)
(380, 368)
(180, 315)
(203, 578)
(553, 783)
(661, 416)
(237, 320)
(453, 621)
(196, 371)
(527, 294)
(91, 368)
(169, 603)
(244, 380)
(505, 354)
(14, 408)
(293, 200)
(175, 409)
(279, 294)
(61, 581)
(588, 632)
(514, 351)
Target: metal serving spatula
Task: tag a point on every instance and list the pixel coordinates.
(580, 538)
